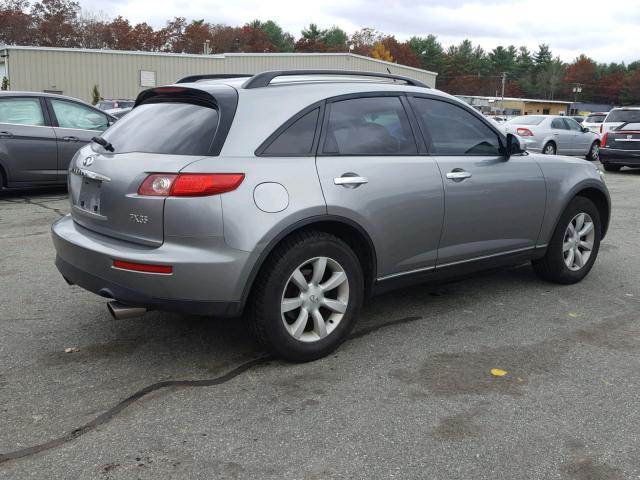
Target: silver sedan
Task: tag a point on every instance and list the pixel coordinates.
(554, 134)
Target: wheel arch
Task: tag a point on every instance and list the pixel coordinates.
(344, 228)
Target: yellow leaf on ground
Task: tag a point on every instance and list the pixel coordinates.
(496, 372)
(571, 314)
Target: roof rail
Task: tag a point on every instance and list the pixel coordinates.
(212, 76)
(264, 79)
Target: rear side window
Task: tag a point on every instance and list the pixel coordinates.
(369, 126)
(297, 139)
(455, 131)
(168, 128)
(21, 111)
(623, 116)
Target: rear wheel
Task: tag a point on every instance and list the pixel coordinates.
(574, 245)
(611, 168)
(549, 148)
(307, 297)
(594, 152)
(2, 184)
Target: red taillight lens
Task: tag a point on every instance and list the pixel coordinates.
(600, 128)
(603, 142)
(142, 267)
(524, 132)
(189, 184)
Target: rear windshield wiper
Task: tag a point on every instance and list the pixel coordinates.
(102, 142)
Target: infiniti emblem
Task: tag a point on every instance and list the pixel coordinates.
(314, 299)
(88, 161)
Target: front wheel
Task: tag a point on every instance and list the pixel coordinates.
(549, 149)
(594, 152)
(307, 297)
(574, 245)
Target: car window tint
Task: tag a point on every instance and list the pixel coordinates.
(297, 139)
(526, 120)
(573, 125)
(21, 111)
(74, 115)
(559, 124)
(595, 118)
(454, 131)
(171, 128)
(369, 126)
(623, 116)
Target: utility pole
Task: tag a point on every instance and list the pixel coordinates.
(576, 90)
(504, 80)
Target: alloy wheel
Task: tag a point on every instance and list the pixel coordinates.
(577, 244)
(315, 299)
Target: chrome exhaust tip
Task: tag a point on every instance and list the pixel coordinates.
(120, 311)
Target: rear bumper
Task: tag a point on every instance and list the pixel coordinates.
(620, 157)
(208, 277)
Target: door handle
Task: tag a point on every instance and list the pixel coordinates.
(6, 134)
(350, 181)
(71, 139)
(458, 175)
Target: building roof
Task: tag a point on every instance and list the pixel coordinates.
(214, 56)
(516, 99)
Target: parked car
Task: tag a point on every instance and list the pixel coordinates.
(594, 121)
(120, 112)
(621, 147)
(579, 119)
(295, 195)
(114, 106)
(39, 135)
(554, 134)
(618, 116)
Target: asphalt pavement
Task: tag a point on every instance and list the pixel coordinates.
(409, 396)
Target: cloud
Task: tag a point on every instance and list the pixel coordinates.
(569, 27)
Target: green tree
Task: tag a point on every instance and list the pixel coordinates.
(429, 52)
(5, 84)
(282, 41)
(335, 39)
(95, 95)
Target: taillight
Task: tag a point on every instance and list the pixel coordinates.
(142, 267)
(600, 128)
(524, 132)
(603, 142)
(189, 184)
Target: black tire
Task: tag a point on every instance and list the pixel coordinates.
(551, 147)
(2, 184)
(552, 266)
(611, 168)
(594, 152)
(266, 319)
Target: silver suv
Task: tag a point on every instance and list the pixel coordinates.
(292, 196)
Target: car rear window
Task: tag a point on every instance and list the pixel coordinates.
(633, 126)
(526, 120)
(167, 128)
(624, 116)
(595, 118)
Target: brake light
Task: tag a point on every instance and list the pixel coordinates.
(189, 184)
(603, 142)
(600, 128)
(142, 267)
(524, 132)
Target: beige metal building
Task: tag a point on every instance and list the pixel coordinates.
(124, 74)
(516, 106)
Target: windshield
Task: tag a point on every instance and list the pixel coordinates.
(170, 128)
(595, 118)
(526, 120)
(624, 116)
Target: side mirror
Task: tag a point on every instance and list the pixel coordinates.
(514, 147)
(585, 130)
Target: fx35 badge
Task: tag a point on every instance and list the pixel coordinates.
(135, 218)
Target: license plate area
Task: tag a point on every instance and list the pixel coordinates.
(89, 198)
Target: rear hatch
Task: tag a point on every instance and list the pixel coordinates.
(625, 137)
(169, 128)
(619, 116)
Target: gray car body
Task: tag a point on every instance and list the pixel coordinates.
(33, 155)
(409, 223)
(567, 142)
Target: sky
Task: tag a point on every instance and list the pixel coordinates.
(605, 31)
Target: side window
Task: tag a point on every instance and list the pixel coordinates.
(454, 131)
(558, 124)
(74, 115)
(573, 125)
(369, 126)
(297, 139)
(21, 111)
